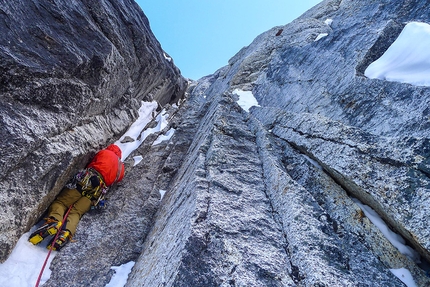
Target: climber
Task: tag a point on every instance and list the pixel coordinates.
(86, 189)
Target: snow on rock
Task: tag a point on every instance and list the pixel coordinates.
(137, 130)
(165, 137)
(320, 36)
(137, 159)
(23, 266)
(246, 99)
(407, 60)
(119, 279)
(162, 193)
(393, 237)
(328, 22)
(313, 162)
(145, 116)
(405, 276)
(167, 57)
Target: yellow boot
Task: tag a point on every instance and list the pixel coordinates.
(62, 240)
(50, 227)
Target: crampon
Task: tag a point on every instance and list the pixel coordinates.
(63, 238)
(49, 228)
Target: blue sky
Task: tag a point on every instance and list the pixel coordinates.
(202, 35)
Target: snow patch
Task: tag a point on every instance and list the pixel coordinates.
(165, 137)
(320, 36)
(328, 22)
(137, 159)
(23, 266)
(313, 162)
(167, 57)
(246, 99)
(405, 276)
(146, 112)
(393, 237)
(407, 60)
(162, 193)
(119, 279)
(137, 130)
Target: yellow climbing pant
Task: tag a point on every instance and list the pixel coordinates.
(67, 197)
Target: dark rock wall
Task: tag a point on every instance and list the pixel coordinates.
(72, 74)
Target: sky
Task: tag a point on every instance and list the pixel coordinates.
(202, 35)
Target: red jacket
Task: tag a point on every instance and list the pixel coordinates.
(108, 163)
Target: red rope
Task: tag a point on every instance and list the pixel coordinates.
(52, 246)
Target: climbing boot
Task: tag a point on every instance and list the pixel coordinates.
(63, 238)
(50, 227)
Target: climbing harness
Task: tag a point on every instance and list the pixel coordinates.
(100, 201)
(90, 184)
(52, 246)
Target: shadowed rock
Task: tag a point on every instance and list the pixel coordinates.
(72, 77)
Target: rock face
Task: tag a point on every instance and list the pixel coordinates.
(72, 76)
(264, 198)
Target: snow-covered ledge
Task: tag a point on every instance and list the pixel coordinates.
(407, 60)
